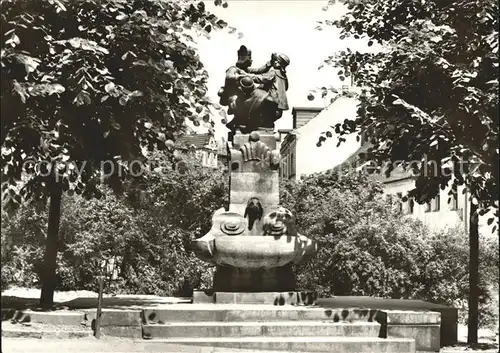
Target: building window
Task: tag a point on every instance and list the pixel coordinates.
(400, 202)
(436, 203)
(292, 165)
(411, 205)
(428, 207)
(454, 201)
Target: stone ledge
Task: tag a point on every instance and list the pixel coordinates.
(59, 317)
(449, 315)
(236, 313)
(122, 331)
(412, 317)
(203, 297)
(303, 344)
(298, 298)
(261, 329)
(426, 336)
(117, 317)
(54, 334)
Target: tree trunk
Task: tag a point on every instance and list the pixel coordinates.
(50, 256)
(473, 275)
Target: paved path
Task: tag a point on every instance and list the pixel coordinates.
(121, 345)
(107, 345)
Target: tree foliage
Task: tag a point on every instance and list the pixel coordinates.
(432, 91)
(88, 82)
(87, 87)
(146, 233)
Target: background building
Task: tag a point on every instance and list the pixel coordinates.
(205, 147)
(299, 151)
(300, 155)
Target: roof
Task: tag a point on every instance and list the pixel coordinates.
(310, 109)
(355, 157)
(351, 92)
(331, 105)
(197, 140)
(355, 160)
(397, 174)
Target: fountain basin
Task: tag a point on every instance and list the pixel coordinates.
(254, 252)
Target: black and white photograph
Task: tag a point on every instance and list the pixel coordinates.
(249, 176)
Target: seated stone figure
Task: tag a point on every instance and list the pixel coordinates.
(252, 108)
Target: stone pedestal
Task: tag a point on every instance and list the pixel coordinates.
(274, 279)
(254, 242)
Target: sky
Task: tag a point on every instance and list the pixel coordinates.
(268, 26)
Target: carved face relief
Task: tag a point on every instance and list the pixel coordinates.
(278, 222)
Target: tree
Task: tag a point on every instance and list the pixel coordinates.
(144, 232)
(182, 190)
(86, 86)
(178, 200)
(432, 97)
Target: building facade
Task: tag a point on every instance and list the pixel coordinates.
(300, 155)
(299, 147)
(205, 147)
(447, 210)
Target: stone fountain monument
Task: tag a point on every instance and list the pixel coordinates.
(254, 241)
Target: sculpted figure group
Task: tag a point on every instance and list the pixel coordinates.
(255, 96)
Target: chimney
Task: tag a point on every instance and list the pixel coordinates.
(302, 115)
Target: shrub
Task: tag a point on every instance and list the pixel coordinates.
(23, 237)
(146, 232)
(180, 202)
(367, 247)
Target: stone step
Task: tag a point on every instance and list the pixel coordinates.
(261, 329)
(59, 317)
(246, 312)
(303, 344)
(37, 330)
(57, 334)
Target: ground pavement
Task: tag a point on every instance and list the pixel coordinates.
(108, 345)
(22, 298)
(115, 345)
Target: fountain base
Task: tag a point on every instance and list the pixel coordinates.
(291, 298)
(234, 279)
